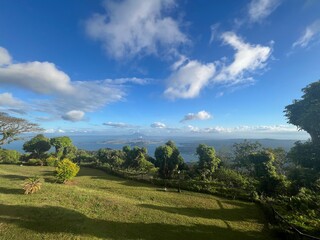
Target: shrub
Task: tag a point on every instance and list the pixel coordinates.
(66, 170)
(52, 161)
(9, 156)
(32, 185)
(35, 162)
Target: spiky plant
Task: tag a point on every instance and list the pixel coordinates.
(32, 185)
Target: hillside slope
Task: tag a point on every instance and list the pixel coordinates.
(98, 206)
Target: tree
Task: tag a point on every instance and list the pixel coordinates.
(208, 161)
(64, 147)
(168, 159)
(305, 113)
(241, 152)
(9, 156)
(114, 158)
(270, 182)
(66, 170)
(37, 145)
(11, 127)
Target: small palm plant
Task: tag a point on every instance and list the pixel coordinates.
(32, 185)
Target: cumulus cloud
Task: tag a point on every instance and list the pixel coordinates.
(5, 57)
(61, 95)
(7, 100)
(158, 125)
(132, 27)
(118, 125)
(189, 78)
(74, 116)
(202, 115)
(260, 9)
(247, 58)
(40, 77)
(311, 34)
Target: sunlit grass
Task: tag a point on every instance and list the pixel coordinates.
(96, 205)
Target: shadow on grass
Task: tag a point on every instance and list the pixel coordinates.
(233, 214)
(49, 219)
(11, 190)
(14, 177)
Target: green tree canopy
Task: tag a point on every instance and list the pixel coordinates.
(305, 112)
(208, 161)
(64, 147)
(168, 160)
(37, 145)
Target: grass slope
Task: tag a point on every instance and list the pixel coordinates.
(98, 206)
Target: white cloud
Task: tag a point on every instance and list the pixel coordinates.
(214, 31)
(202, 115)
(118, 125)
(260, 9)
(40, 77)
(60, 94)
(74, 116)
(246, 129)
(247, 58)
(133, 27)
(134, 80)
(158, 125)
(188, 79)
(311, 34)
(5, 57)
(7, 100)
(52, 130)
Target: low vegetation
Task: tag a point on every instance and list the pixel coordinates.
(95, 205)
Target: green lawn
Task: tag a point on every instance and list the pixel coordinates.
(99, 206)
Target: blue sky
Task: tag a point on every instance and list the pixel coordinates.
(220, 69)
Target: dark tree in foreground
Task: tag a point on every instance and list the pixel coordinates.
(11, 127)
(305, 113)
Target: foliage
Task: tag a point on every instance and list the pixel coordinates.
(52, 161)
(114, 158)
(37, 146)
(208, 161)
(305, 154)
(232, 179)
(66, 170)
(84, 156)
(9, 156)
(32, 185)
(305, 113)
(301, 210)
(64, 147)
(11, 127)
(241, 152)
(168, 160)
(270, 182)
(35, 162)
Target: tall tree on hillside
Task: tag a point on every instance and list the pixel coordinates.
(11, 127)
(37, 145)
(241, 152)
(168, 159)
(64, 147)
(208, 161)
(305, 112)
(270, 182)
